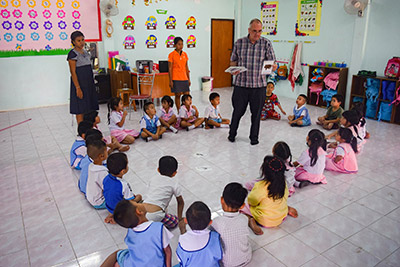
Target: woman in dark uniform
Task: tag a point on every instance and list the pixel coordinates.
(83, 96)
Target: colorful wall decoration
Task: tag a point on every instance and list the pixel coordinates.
(129, 42)
(44, 26)
(128, 23)
(151, 23)
(170, 41)
(191, 41)
(191, 23)
(151, 41)
(269, 17)
(308, 18)
(170, 23)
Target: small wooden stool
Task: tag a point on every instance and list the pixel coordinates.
(124, 94)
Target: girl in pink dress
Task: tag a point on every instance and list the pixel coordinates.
(116, 121)
(189, 115)
(343, 158)
(167, 115)
(311, 164)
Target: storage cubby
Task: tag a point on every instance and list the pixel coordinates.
(340, 89)
(358, 88)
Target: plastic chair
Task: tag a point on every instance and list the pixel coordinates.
(144, 81)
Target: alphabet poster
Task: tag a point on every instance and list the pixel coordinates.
(269, 17)
(29, 27)
(308, 18)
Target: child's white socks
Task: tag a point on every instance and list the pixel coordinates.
(173, 129)
(224, 125)
(191, 127)
(149, 139)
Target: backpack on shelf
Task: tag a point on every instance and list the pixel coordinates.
(371, 107)
(388, 90)
(392, 69)
(385, 112)
(372, 91)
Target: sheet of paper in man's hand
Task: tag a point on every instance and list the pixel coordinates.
(233, 69)
(267, 67)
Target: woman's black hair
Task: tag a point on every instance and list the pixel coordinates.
(273, 174)
(168, 99)
(353, 118)
(177, 39)
(75, 35)
(317, 140)
(348, 137)
(184, 97)
(91, 116)
(359, 108)
(282, 150)
(111, 105)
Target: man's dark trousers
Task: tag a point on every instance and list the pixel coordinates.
(241, 97)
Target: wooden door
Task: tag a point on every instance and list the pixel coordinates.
(221, 49)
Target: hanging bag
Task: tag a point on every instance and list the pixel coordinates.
(392, 69)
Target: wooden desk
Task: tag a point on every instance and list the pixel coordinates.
(160, 87)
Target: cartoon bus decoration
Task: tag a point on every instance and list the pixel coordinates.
(191, 23)
(170, 23)
(129, 42)
(170, 41)
(128, 23)
(151, 41)
(191, 41)
(151, 23)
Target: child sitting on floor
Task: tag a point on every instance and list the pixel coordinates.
(350, 119)
(267, 201)
(96, 173)
(333, 114)
(160, 191)
(268, 110)
(311, 164)
(359, 108)
(92, 135)
(116, 121)
(167, 115)
(150, 124)
(189, 115)
(281, 150)
(199, 246)
(115, 188)
(212, 115)
(300, 116)
(343, 158)
(78, 149)
(233, 227)
(147, 241)
(111, 141)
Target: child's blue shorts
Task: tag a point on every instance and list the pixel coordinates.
(100, 207)
(121, 255)
(219, 120)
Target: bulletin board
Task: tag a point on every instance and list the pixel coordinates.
(308, 18)
(43, 27)
(269, 17)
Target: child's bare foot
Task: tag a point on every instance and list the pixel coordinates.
(110, 219)
(263, 119)
(367, 135)
(123, 148)
(207, 127)
(292, 212)
(254, 226)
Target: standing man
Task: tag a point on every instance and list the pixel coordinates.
(250, 86)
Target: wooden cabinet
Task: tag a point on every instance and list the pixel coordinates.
(340, 89)
(119, 79)
(358, 88)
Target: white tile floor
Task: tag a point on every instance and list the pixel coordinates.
(354, 220)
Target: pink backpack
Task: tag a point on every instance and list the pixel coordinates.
(396, 101)
(393, 68)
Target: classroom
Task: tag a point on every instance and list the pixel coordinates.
(127, 138)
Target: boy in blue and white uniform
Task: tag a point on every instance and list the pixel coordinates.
(150, 124)
(78, 149)
(212, 114)
(115, 188)
(199, 246)
(301, 116)
(147, 241)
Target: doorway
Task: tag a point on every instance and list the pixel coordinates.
(222, 32)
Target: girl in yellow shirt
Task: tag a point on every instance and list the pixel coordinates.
(267, 201)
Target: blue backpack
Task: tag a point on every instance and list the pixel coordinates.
(372, 91)
(388, 90)
(371, 107)
(385, 112)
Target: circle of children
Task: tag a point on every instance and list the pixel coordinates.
(223, 240)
